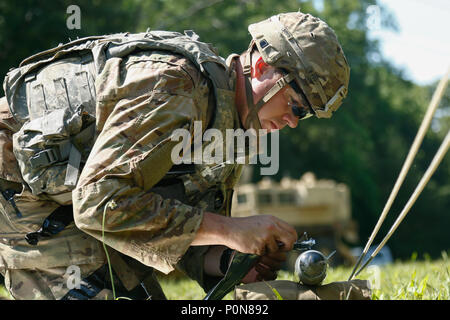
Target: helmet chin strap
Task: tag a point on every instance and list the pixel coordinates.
(252, 120)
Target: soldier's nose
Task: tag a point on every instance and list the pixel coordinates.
(290, 120)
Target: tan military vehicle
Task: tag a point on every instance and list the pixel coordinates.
(322, 208)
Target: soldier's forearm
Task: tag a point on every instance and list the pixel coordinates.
(215, 229)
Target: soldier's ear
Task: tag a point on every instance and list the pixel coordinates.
(260, 68)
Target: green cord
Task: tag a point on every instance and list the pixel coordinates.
(106, 252)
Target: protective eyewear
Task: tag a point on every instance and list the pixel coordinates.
(298, 103)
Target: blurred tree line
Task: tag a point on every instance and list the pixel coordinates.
(365, 143)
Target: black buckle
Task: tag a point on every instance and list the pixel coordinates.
(60, 218)
(49, 228)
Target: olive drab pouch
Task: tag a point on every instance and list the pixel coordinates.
(52, 96)
(289, 290)
(49, 149)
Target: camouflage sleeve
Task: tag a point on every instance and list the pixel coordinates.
(140, 101)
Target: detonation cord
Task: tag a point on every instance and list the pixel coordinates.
(106, 251)
(434, 103)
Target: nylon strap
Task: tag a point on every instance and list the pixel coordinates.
(73, 167)
(280, 84)
(252, 117)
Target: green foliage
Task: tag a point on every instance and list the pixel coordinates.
(365, 143)
(411, 280)
(4, 294)
(30, 26)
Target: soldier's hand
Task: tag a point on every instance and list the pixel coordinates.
(266, 268)
(261, 235)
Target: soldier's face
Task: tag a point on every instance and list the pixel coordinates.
(277, 112)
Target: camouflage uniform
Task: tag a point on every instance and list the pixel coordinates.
(123, 196)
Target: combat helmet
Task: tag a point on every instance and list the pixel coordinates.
(309, 52)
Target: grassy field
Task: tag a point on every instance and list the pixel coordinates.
(3, 293)
(412, 280)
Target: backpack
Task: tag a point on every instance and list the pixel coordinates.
(52, 95)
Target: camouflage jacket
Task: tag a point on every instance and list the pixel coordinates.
(122, 197)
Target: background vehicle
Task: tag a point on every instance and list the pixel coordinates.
(322, 208)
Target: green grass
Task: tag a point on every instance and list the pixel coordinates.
(412, 280)
(3, 293)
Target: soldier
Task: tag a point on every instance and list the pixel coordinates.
(92, 202)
